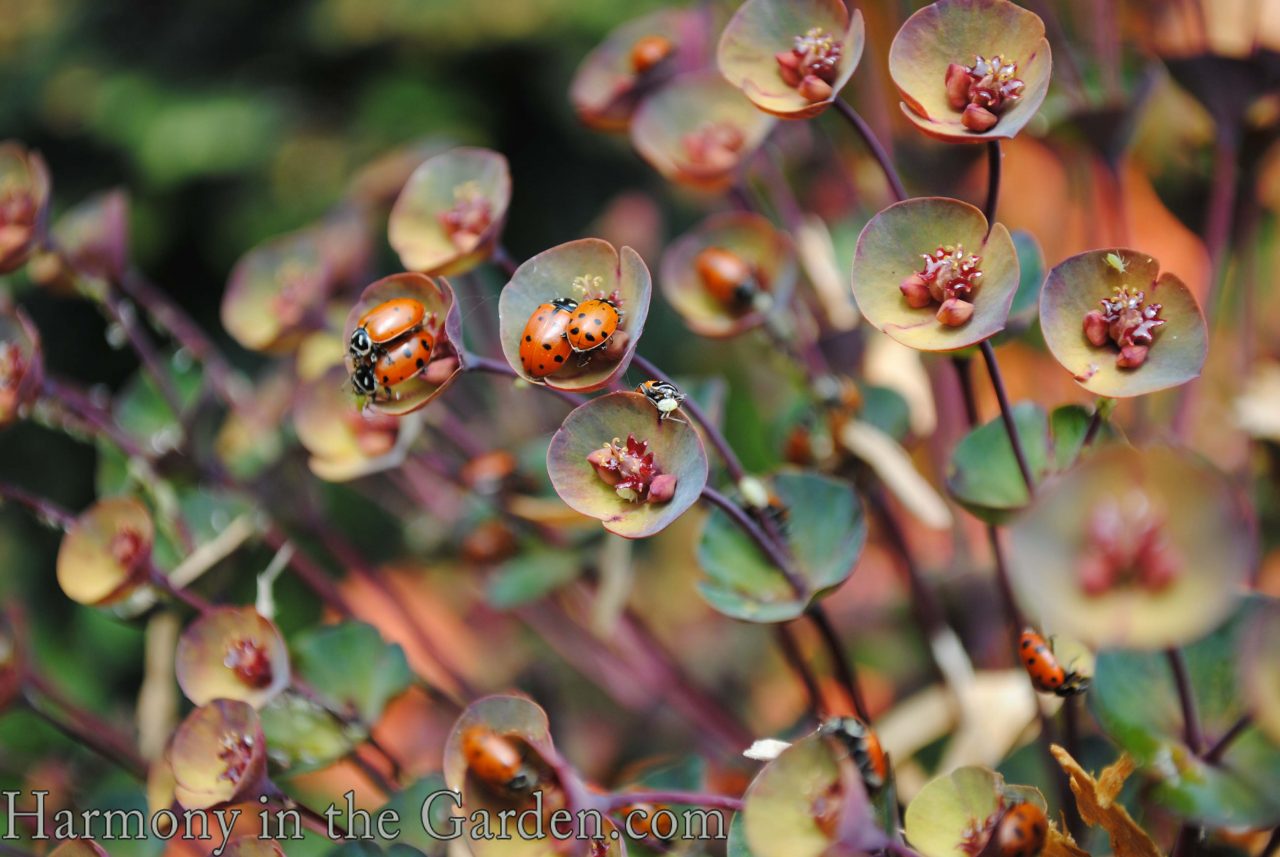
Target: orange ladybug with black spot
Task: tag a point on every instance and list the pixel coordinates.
(593, 323)
(1047, 675)
(1021, 831)
(385, 323)
(403, 359)
(864, 748)
(495, 760)
(543, 346)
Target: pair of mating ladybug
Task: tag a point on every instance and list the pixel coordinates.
(563, 327)
(390, 345)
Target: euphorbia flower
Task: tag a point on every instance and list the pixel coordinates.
(106, 554)
(961, 294)
(1133, 549)
(698, 130)
(971, 70)
(1119, 326)
(451, 212)
(218, 755)
(635, 487)
(232, 653)
(791, 57)
(24, 200)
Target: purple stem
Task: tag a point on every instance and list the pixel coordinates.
(770, 548)
(1095, 424)
(125, 315)
(1215, 753)
(843, 667)
(795, 659)
(1190, 718)
(78, 407)
(1006, 414)
(504, 261)
(44, 509)
(84, 726)
(195, 602)
(714, 435)
(311, 574)
(873, 145)
(994, 159)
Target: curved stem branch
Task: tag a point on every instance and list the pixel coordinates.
(1006, 414)
(1190, 717)
(1215, 753)
(842, 666)
(714, 435)
(795, 659)
(767, 545)
(480, 363)
(873, 145)
(994, 158)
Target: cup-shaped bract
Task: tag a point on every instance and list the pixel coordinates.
(581, 270)
(807, 799)
(943, 36)
(1104, 288)
(450, 214)
(345, 443)
(889, 257)
(626, 419)
(1142, 549)
(232, 653)
(94, 236)
(442, 319)
(699, 130)
(24, 203)
(633, 61)
(768, 262)
(106, 552)
(276, 292)
(791, 57)
(955, 815)
(218, 754)
(21, 363)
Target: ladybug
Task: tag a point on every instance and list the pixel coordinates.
(1047, 675)
(864, 748)
(594, 321)
(664, 396)
(648, 51)
(543, 347)
(1021, 831)
(403, 359)
(727, 278)
(639, 818)
(495, 760)
(363, 380)
(384, 323)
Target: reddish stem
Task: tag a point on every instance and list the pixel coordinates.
(1186, 699)
(994, 159)
(83, 726)
(873, 145)
(1006, 414)
(709, 428)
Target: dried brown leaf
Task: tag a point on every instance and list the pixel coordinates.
(1096, 799)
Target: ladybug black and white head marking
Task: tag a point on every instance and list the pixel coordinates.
(361, 344)
(364, 381)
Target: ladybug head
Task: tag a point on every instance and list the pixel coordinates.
(361, 344)
(566, 304)
(521, 782)
(364, 381)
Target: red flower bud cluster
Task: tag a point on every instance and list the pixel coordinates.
(811, 66)
(982, 91)
(629, 468)
(1128, 323)
(470, 216)
(1127, 547)
(714, 145)
(949, 278)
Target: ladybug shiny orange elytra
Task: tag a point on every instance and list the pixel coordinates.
(1047, 675)
(543, 346)
(864, 748)
(1021, 831)
(384, 323)
(594, 321)
(495, 760)
(726, 277)
(403, 359)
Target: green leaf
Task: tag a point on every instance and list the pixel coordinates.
(143, 412)
(352, 667)
(303, 737)
(1136, 701)
(737, 844)
(887, 410)
(530, 576)
(825, 532)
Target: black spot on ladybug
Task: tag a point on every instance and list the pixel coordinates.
(1026, 643)
(574, 331)
(386, 379)
(591, 337)
(528, 339)
(599, 322)
(546, 346)
(559, 358)
(421, 363)
(582, 315)
(542, 318)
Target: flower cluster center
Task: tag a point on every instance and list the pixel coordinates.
(465, 223)
(982, 91)
(12, 365)
(714, 145)
(948, 279)
(1128, 323)
(631, 471)
(126, 547)
(248, 659)
(235, 752)
(812, 64)
(1126, 545)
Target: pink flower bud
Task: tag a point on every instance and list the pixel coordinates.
(954, 312)
(788, 67)
(978, 119)
(814, 88)
(1096, 328)
(1132, 356)
(916, 291)
(662, 488)
(606, 465)
(1095, 574)
(958, 82)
